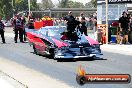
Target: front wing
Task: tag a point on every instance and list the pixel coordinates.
(78, 53)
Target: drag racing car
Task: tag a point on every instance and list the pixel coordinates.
(50, 41)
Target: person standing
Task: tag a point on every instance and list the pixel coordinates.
(71, 25)
(82, 25)
(31, 24)
(124, 25)
(81, 16)
(18, 28)
(2, 30)
(70, 22)
(130, 33)
(83, 28)
(23, 19)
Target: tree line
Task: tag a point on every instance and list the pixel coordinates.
(10, 7)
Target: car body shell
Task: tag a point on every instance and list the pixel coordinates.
(47, 41)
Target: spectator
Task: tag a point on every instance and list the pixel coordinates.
(71, 25)
(18, 28)
(130, 33)
(81, 16)
(83, 28)
(2, 30)
(124, 27)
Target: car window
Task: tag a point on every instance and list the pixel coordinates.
(52, 31)
(42, 31)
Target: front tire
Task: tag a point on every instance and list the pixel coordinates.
(35, 50)
(52, 53)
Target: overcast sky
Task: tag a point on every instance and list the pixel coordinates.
(56, 1)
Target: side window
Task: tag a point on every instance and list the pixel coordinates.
(42, 31)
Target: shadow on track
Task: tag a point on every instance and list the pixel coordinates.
(69, 59)
(79, 59)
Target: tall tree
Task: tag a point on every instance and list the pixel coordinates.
(70, 4)
(63, 3)
(91, 4)
(34, 5)
(5, 8)
(22, 5)
(46, 4)
(94, 2)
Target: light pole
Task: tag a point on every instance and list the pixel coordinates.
(29, 6)
(13, 7)
(106, 1)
